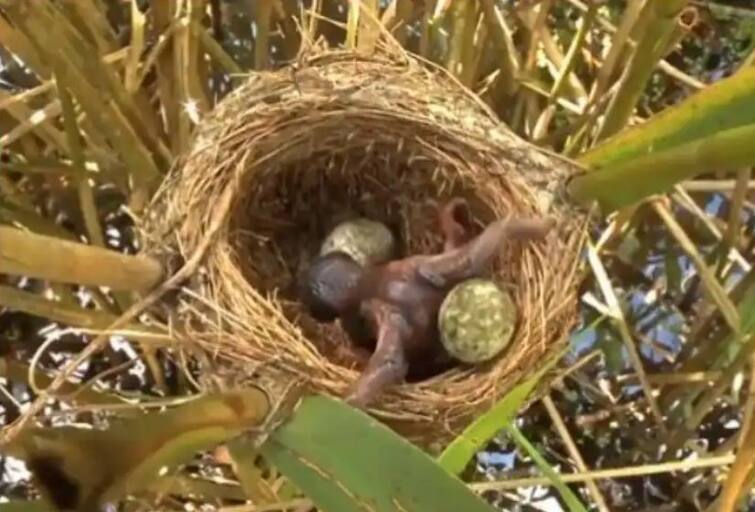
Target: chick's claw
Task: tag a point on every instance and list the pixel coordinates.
(378, 376)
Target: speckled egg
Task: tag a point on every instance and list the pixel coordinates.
(476, 320)
(367, 241)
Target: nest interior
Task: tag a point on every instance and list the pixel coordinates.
(289, 154)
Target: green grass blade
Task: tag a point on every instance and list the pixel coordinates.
(460, 451)
(215, 50)
(263, 18)
(567, 495)
(346, 461)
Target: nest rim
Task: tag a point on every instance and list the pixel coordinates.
(257, 131)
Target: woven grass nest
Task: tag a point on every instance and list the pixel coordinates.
(291, 153)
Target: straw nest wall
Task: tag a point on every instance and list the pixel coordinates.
(290, 153)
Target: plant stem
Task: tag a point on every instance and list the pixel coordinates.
(626, 472)
(44, 257)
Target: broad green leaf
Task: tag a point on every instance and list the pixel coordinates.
(344, 460)
(460, 451)
(711, 130)
(724, 105)
(82, 469)
(567, 495)
(624, 181)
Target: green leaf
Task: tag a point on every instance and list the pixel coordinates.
(25, 506)
(626, 181)
(77, 459)
(460, 451)
(344, 460)
(567, 495)
(711, 130)
(726, 104)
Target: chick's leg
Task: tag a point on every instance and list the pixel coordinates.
(388, 364)
(469, 260)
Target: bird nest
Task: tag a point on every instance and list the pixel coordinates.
(291, 153)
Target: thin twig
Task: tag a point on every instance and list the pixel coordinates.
(273, 507)
(716, 291)
(625, 472)
(571, 447)
(714, 185)
(614, 310)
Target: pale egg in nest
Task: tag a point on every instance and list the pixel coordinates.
(476, 320)
(367, 242)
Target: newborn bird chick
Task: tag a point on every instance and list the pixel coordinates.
(395, 305)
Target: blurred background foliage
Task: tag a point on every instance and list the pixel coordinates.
(653, 406)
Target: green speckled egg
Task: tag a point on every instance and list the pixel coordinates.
(476, 320)
(367, 241)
